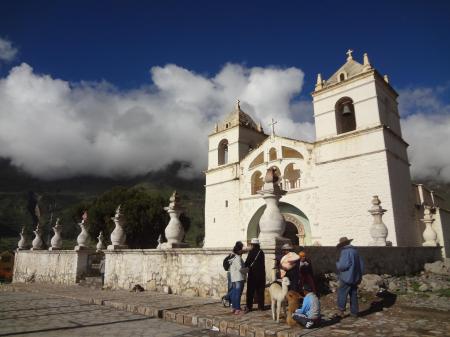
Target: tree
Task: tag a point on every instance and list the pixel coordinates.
(145, 218)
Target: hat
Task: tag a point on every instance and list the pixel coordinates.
(287, 246)
(344, 241)
(307, 287)
(255, 241)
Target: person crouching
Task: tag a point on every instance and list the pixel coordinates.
(309, 314)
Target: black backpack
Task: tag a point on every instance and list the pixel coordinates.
(227, 262)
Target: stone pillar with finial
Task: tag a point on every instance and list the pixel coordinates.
(23, 242)
(174, 231)
(83, 237)
(319, 83)
(378, 230)
(100, 244)
(272, 224)
(429, 234)
(37, 243)
(366, 62)
(56, 241)
(118, 236)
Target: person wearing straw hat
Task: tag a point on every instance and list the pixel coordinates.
(290, 268)
(256, 279)
(350, 268)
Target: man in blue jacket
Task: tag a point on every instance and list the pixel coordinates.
(350, 268)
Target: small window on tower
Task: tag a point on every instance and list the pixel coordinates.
(341, 77)
(226, 203)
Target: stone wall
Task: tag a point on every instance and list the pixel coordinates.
(199, 272)
(62, 266)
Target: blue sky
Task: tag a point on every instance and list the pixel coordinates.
(120, 40)
(114, 87)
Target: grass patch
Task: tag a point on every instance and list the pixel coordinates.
(443, 292)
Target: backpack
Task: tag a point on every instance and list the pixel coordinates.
(227, 262)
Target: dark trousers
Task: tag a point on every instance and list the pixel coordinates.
(348, 290)
(252, 290)
(305, 321)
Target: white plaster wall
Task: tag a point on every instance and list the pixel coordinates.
(62, 266)
(441, 225)
(222, 225)
(345, 192)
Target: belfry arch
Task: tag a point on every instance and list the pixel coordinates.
(297, 224)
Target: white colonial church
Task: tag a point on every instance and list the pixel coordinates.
(359, 152)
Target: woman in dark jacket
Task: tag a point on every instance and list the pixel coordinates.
(256, 280)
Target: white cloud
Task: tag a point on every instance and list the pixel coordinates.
(52, 128)
(7, 51)
(426, 128)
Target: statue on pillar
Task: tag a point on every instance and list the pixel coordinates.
(100, 245)
(83, 237)
(37, 241)
(174, 230)
(429, 234)
(272, 224)
(56, 241)
(23, 242)
(118, 235)
(378, 230)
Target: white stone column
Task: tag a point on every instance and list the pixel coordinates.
(118, 236)
(272, 224)
(23, 242)
(83, 237)
(100, 245)
(429, 234)
(56, 241)
(37, 242)
(378, 230)
(174, 231)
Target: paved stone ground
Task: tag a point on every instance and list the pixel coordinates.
(77, 311)
(31, 314)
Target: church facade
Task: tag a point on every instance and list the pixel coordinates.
(359, 152)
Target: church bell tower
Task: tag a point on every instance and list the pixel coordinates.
(359, 143)
(230, 141)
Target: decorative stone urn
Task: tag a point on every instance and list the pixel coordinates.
(23, 242)
(272, 224)
(56, 241)
(100, 245)
(118, 235)
(429, 234)
(83, 237)
(174, 230)
(378, 230)
(37, 242)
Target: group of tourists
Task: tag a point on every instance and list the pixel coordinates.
(298, 269)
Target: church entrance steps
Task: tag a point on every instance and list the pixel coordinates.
(210, 314)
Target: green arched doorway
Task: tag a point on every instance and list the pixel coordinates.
(297, 224)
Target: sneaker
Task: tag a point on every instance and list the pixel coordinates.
(238, 312)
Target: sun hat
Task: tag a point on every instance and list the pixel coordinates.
(255, 241)
(344, 241)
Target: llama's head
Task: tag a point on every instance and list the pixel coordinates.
(285, 281)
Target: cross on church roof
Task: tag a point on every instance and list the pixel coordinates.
(349, 55)
(273, 126)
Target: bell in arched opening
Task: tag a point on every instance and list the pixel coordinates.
(346, 110)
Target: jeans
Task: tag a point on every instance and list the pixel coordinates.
(236, 293)
(344, 291)
(228, 294)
